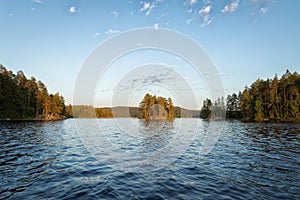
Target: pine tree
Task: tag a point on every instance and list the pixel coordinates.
(22, 98)
(259, 115)
(152, 107)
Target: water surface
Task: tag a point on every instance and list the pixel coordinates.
(41, 160)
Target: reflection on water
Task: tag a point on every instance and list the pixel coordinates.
(135, 146)
(49, 160)
(156, 134)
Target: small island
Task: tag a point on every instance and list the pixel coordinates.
(156, 108)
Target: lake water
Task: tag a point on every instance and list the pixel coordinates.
(130, 159)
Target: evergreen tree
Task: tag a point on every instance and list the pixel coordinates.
(273, 99)
(152, 107)
(22, 98)
(246, 104)
(206, 109)
(259, 115)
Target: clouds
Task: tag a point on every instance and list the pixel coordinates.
(115, 14)
(111, 32)
(190, 20)
(147, 6)
(154, 78)
(205, 15)
(151, 77)
(96, 34)
(206, 12)
(190, 2)
(261, 7)
(72, 9)
(37, 1)
(156, 26)
(263, 10)
(231, 7)
(260, 1)
(198, 12)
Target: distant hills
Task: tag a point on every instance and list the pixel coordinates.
(83, 111)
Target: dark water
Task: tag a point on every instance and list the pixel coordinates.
(49, 161)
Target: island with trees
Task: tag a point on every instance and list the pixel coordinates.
(156, 108)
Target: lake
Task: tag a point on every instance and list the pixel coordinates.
(131, 159)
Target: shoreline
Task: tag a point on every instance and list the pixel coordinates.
(226, 119)
(32, 120)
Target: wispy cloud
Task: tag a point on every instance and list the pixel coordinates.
(37, 1)
(190, 20)
(115, 14)
(263, 10)
(214, 74)
(147, 6)
(262, 6)
(205, 10)
(165, 75)
(111, 32)
(72, 9)
(262, 3)
(190, 2)
(205, 15)
(155, 76)
(231, 7)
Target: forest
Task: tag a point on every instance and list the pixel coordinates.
(28, 99)
(274, 100)
(153, 108)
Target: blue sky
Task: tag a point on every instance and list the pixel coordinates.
(246, 39)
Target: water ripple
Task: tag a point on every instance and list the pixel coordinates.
(48, 161)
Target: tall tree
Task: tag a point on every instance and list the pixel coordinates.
(273, 99)
(22, 98)
(259, 115)
(206, 109)
(246, 104)
(152, 107)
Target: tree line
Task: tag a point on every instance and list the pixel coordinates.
(213, 110)
(88, 111)
(23, 98)
(152, 108)
(276, 100)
